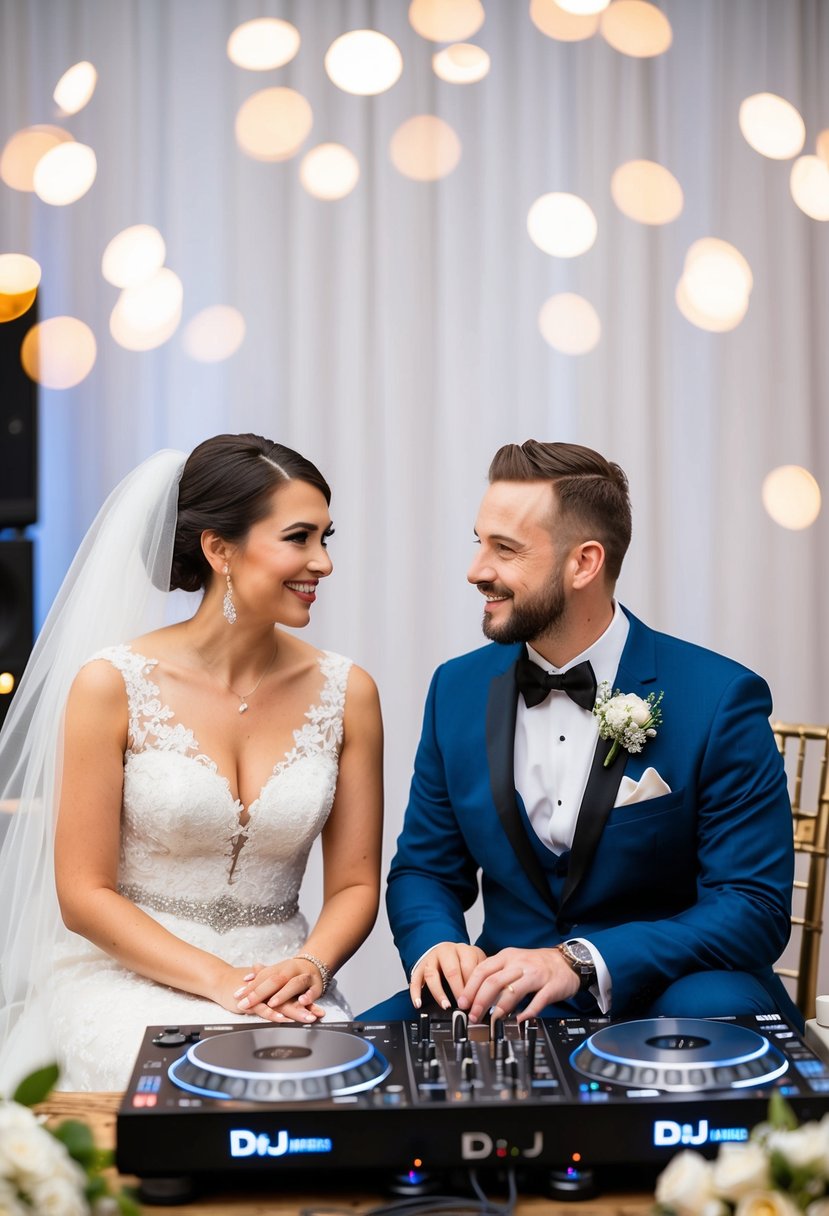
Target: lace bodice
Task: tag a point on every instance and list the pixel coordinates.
(181, 837)
(187, 860)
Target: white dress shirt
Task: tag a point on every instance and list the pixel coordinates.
(554, 746)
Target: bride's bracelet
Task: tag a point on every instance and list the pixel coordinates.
(325, 972)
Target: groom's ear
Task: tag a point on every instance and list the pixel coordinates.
(587, 563)
(215, 549)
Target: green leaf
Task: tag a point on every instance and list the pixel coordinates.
(126, 1204)
(78, 1139)
(781, 1116)
(96, 1188)
(37, 1086)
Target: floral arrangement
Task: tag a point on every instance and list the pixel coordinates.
(53, 1172)
(626, 719)
(782, 1170)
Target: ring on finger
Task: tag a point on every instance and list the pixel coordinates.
(510, 989)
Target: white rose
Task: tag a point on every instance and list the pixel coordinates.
(685, 1184)
(27, 1154)
(766, 1203)
(639, 710)
(10, 1205)
(67, 1168)
(820, 1207)
(58, 1197)
(804, 1146)
(13, 1115)
(616, 714)
(740, 1168)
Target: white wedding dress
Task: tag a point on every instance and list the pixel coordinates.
(187, 861)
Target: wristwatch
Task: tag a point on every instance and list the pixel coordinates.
(579, 958)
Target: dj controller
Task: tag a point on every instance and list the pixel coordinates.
(416, 1101)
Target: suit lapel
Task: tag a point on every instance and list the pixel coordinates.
(500, 744)
(636, 670)
(597, 803)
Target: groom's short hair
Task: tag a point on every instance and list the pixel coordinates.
(592, 492)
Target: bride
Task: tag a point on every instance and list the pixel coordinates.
(189, 770)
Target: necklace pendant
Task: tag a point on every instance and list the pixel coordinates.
(243, 706)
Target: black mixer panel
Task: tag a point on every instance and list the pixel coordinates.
(439, 1094)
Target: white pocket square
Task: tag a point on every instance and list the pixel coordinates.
(649, 785)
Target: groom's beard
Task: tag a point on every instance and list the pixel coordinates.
(533, 619)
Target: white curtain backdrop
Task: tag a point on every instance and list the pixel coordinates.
(392, 336)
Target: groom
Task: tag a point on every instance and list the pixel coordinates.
(657, 883)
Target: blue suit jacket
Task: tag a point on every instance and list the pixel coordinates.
(699, 879)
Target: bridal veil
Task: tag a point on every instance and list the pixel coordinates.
(117, 588)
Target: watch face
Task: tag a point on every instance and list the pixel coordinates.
(580, 952)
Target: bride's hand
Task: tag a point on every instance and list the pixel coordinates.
(284, 991)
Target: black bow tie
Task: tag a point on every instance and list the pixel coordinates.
(536, 684)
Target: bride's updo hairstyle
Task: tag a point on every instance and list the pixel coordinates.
(226, 486)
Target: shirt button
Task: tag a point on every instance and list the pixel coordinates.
(561, 738)
(559, 802)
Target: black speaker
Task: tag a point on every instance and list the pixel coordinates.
(16, 615)
(18, 427)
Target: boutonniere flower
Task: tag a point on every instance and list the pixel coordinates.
(626, 719)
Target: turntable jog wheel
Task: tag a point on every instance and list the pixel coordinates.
(280, 1064)
(680, 1055)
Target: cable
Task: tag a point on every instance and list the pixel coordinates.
(431, 1205)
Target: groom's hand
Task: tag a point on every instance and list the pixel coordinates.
(502, 982)
(454, 962)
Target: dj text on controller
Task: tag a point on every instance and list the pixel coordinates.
(431, 1096)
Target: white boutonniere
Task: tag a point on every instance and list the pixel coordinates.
(626, 719)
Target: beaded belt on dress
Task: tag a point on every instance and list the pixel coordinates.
(221, 914)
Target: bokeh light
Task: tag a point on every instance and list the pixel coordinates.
(583, 8)
(214, 334)
(556, 23)
(18, 273)
(153, 302)
(569, 323)
(562, 225)
(822, 146)
(59, 353)
(772, 126)
(141, 339)
(791, 495)
(446, 20)
(637, 28)
(65, 174)
(714, 290)
(75, 87)
(6, 683)
(461, 63)
(23, 152)
(133, 255)
(19, 279)
(148, 314)
(273, 124)
(647, 192)
(329, 171)
(425, 148)
(703, 320)
(363, 62)
(263, 44)
(809, 184)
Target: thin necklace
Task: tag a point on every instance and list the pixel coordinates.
(243, 696)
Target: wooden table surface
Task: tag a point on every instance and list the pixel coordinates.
(99, 1111)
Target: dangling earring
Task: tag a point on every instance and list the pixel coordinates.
(228, 606)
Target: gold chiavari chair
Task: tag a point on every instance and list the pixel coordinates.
(805, 752)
